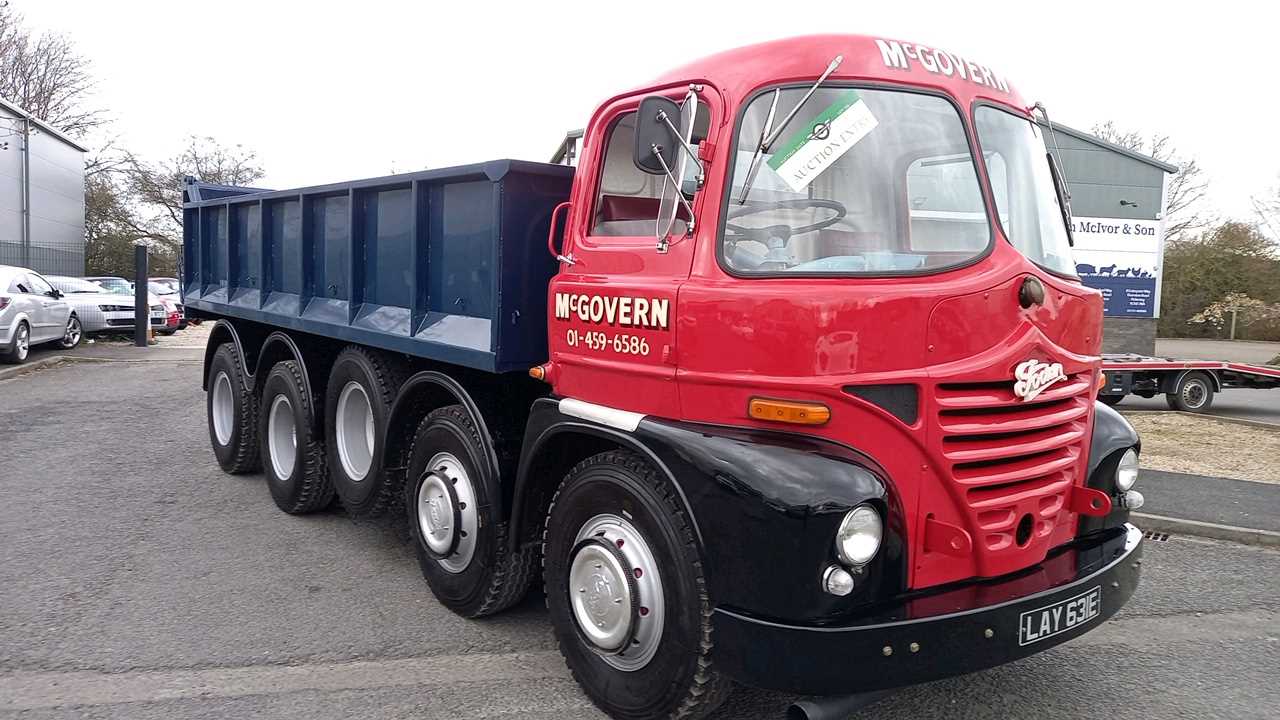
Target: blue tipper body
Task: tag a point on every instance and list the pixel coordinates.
(450, 264)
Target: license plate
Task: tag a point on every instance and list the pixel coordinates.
(1042, 623)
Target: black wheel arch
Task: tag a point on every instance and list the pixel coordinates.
(764, 505)
(420, 394)
(281, 346)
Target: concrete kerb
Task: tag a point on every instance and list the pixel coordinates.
(1233, 420)
(1233, 533)
(48, 361)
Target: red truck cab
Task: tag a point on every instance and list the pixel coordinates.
(888, 283)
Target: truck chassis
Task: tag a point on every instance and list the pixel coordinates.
(1188, 385)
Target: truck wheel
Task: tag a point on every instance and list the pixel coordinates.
(362, 386)
(1110, 400)
(291, 455)
(626, 592)
(452, 505)
(1194, 393)
(232, 412)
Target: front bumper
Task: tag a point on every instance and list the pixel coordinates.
(924, 637)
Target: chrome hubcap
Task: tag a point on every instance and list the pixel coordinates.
(22, 342)
(282, 437)
(1193, 394)
(447, 516)
(223, 408)
(616, 593)
(354, 431)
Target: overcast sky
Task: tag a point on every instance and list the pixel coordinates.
(328, 91)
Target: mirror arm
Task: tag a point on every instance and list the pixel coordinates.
(702, 177)
(675, 187)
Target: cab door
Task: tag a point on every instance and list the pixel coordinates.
(611, 320)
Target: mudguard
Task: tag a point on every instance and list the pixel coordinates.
(766, 506)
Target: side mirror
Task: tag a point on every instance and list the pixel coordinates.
(55, 293)
(654, 120)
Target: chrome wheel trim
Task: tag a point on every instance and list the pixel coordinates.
(71, 337)
(223, 402)
(282, 437)
(595, 592)
(446, 511)
(23, 342)
(353, 430)
(1194, 393)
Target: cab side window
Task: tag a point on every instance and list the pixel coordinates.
(627, 204)
(19, 285)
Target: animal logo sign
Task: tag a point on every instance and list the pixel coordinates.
(1121, 258)
(1033, 376)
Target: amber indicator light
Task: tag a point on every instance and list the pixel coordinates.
(788, 411)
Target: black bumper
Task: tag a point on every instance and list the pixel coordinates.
(928, 637)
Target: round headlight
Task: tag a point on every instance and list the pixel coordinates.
(1127, 470)
(858, 538)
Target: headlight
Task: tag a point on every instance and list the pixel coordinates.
(1127, 471)
(858, 538)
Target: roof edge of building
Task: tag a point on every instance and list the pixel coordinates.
(46, 127)
(1095, 140)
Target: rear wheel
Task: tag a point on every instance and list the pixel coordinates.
(626, 592)
(1193, 393)
(232, 412)
(293, 456)
(452, 504)
(20, 345)
(361, 388)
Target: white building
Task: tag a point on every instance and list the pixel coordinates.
(41, 195)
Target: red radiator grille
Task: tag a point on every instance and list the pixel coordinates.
(1009, 458)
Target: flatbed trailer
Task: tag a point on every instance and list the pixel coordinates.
(1188, 385)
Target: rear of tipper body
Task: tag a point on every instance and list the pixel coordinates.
(812, 396)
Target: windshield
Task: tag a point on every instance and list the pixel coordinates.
(75, 285)
(1026, 199)
(860, 181)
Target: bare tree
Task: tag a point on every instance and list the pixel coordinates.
(1184, 211)
(157, 187)
(46, 76)
(1267, 208)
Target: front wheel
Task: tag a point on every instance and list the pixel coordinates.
(627, 594)
(1193, 393)
(73, 334)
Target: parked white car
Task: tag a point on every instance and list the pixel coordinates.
(32, 312)
(102, 311)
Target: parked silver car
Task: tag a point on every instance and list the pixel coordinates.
(103, 311)
(32, 311)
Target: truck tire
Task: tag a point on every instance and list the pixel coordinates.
(293, 458)
(626, 591)
(362, 385)
(232, 412)
(452, 505)
(1193, 393)
(1110, 400)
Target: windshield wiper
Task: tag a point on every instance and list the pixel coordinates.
(769, 134)
(1055, 170)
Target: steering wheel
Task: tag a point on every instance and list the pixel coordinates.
(784, 232)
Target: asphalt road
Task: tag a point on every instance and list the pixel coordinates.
(137, 581)
(1261, 405)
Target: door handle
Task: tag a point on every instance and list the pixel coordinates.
(551, 236)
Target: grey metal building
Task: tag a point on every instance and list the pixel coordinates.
(1118, 210)
(41, 195)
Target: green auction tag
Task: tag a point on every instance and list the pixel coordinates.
(815, 147)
